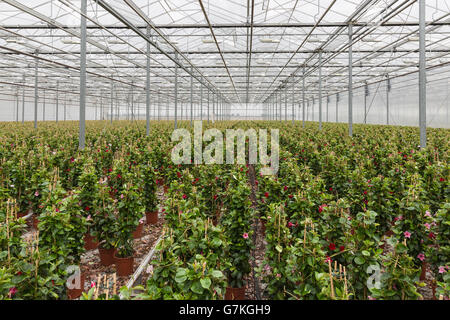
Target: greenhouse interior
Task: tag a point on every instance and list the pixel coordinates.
(224, 150)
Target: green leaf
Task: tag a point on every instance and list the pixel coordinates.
(366, 253)
(197, 287)
(279, 248)
(217, 274)
(206, 283)
(359, 260)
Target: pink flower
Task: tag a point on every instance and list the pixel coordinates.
(441, 269)
(267, 268)
(36, 194)
(278, 275)
(290, 224)
(427, 214)
(89, 218)
(328, 259)
(12, 292)
(285, 188)
(121, 196)
(421, 256)
(427, 225)
(371, 298)
(92, 284)
(407, 234)
(245, 235)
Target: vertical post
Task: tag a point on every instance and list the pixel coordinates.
(57, 100)
(350, 81)
(201, 102)
(23, 100)
(285, 102)
(388, 88)
(328, 102)
(112, 102)
(65, 105)
(43, 105)
(35, 92)
(17, 105)
(82, 137)
(280, 104)
(176, 90)
(293, 101)
(303, 97)
(147, 85)
(192, 97)
(337, 106)
(320, 90)
(159, 106)
(366, 94)
(422, 77)
(132, 101)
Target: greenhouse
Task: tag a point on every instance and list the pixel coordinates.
(224, 150)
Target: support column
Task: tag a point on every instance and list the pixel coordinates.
(201, 102)
(112, 102)
(366, 94)
(328, 102)
(57, 100)
(350, 81)
(82, 121)
(35, 92)
(23, 100)
(320, 90)
(337, 107)
(422, 77)
(285, 103)
(303, 97)
(65, 105)
(147, 86)
(293, 101)
(192, 96)
(208, 106)
(17, 105)
(159, 107)
(388, 89)
(43, 106)
(176, 90)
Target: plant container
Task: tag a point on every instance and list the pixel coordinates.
(124, 266)
(90, 243)
(138, 232)
(151, 217)
(106, 256)
(235, 293)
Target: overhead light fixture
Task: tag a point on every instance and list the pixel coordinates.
(15, 40)
(259, 61)
(208, 40)
(369, 39)
(70, 41)
(413, 38)
(115, 41)
(406, 61)
(269, 40)
(314, 39)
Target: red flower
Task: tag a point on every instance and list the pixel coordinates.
(431, 235)
(285, 188)
(215, 197)
(321, 207)
(87, 208)
(178, 175)
(290, 196)
(19, 273)
(441, 179)
(332, 246)
(341, 248)
(266, 194)
(331, 189)
(184, 196)
(290, 224)
(365, 192)
(119, 176)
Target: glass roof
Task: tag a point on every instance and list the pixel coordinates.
(245, 51)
